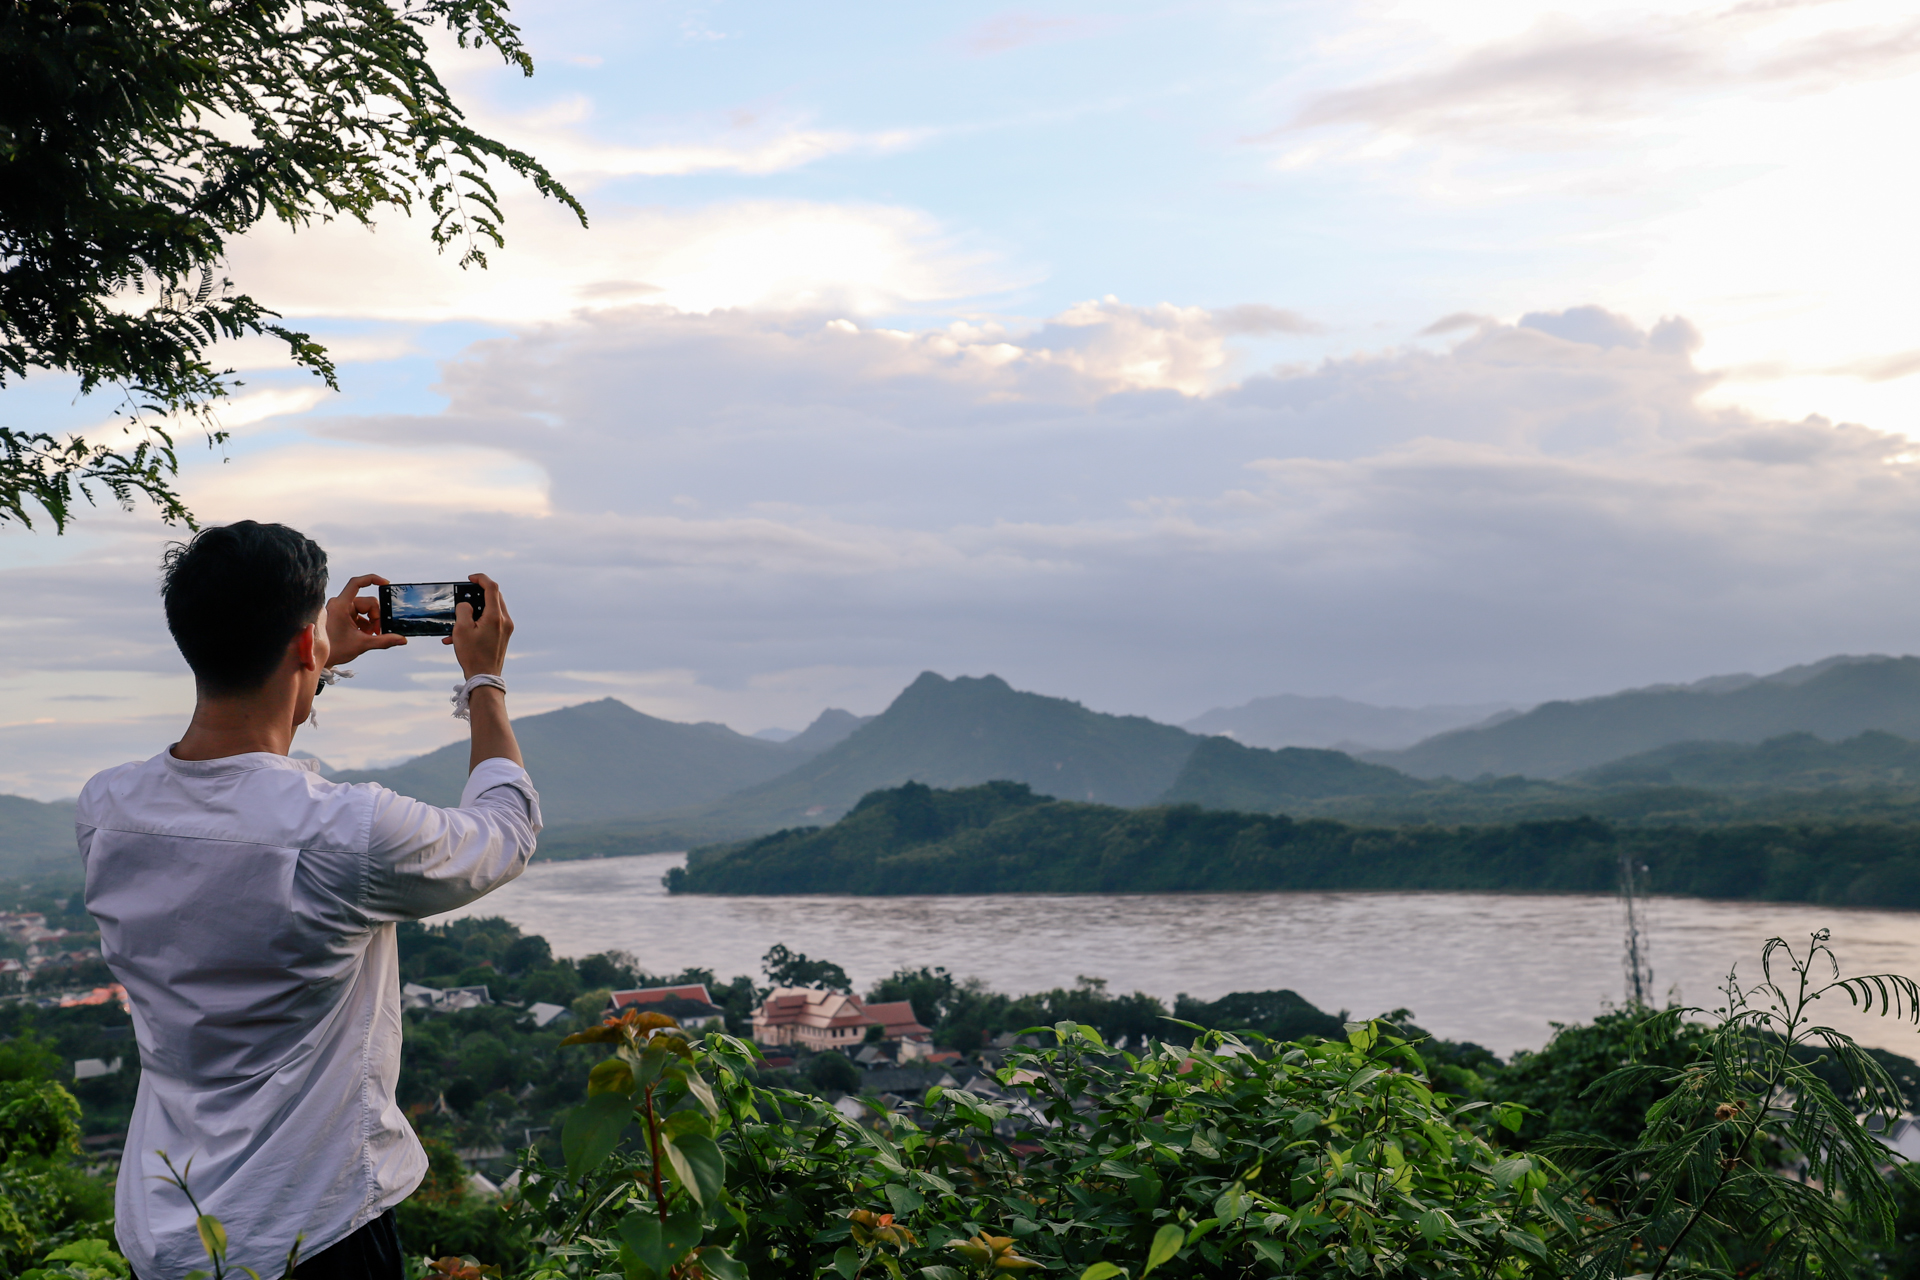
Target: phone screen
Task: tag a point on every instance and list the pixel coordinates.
(426, 608)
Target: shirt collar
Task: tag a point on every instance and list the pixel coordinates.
(245, 762)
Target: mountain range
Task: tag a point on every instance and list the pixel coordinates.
(1832, 737)
(1290, 720)
(1834, 699)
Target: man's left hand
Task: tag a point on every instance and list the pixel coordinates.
(353, 622)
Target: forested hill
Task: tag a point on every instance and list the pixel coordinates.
(1793, 761)
(965, 731)
(1290, 720)
(36, 839)
(1835, 699)
(1001, 838)
(1222, 774)
(601, 760)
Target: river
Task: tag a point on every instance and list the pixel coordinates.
(1492, 968)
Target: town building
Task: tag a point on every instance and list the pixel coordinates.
(821, 1020)
(687, 1004)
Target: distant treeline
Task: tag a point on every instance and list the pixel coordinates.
(1002, 838)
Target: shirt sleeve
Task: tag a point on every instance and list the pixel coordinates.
(423, 860)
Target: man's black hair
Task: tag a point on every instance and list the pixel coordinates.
(236, 595)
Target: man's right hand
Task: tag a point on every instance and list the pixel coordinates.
(481, 647)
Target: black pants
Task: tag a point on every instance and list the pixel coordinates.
(371, 1253)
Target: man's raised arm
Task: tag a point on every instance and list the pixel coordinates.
(428, 860)
(481, 647)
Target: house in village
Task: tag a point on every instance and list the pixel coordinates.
(689, 1005)
(821, 1020)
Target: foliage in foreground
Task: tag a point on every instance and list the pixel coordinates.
(1705, 1187)
(48, 1206)
(1242, 1156)
(1234, 1155)
(1673, 1148)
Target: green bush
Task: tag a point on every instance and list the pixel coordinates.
(445, 1218)
(1333, 1158)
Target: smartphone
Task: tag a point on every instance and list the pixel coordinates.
(426, 608)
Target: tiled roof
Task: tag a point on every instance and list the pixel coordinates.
(898, 1018)
(812, 1007)
(650, 995)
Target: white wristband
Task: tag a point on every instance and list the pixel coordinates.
(466, 687)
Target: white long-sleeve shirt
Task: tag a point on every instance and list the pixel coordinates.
(247, 904)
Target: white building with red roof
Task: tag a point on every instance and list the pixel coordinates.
(689, 1005)
(822, 1020)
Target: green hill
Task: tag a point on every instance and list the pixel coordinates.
(965, 731)
(1835, 699)
(603, 760)
(36, 840)
(1222, 774)
(1002, 838)
(1291, 720)
(1793, 761)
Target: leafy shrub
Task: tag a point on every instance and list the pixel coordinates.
(1323, 1159)
(444, 1217)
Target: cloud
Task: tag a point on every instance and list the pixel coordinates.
(748, 145)
(1564, 75)
(749, 517)
(768, 254)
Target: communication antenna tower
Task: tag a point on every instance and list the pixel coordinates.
(1636, 962)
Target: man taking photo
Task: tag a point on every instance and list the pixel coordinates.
(248, 906)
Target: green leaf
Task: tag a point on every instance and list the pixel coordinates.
(659, 1246)
(91, 1253)
(1102, 1271)
(904, 1199)
(1362, 1035)
(1505, 1172)
(1273, 1251)
(702, 1092)
(1232, 1203)
(942, 1273)
(846, 1260)
(721, 1265)
(1527, 1244)
(1433, 1224)
(610, 1075)
(640, 1232)
(696, 1164)
(592, 1131)
(1166, 1243)
(688, 1122)
(213, 1236)
(1305, 1123)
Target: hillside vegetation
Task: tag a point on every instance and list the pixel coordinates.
(1290, 720)
(1002, 838)
(966, 731)
(601, 760)
(1835, 699)
(1222, 774)
(37, 839)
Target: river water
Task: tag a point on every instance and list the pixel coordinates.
(1492, 968)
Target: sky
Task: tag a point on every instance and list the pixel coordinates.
(1159, 356)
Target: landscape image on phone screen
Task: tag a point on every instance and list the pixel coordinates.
(429, 603)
